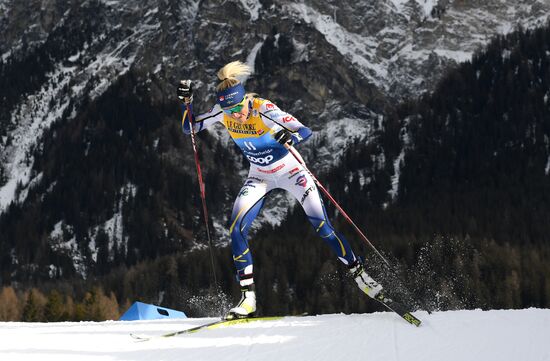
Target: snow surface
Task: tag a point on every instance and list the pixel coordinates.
(510, 335)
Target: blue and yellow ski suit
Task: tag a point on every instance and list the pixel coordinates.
(271, 166)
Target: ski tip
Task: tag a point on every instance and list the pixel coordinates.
(139, 337)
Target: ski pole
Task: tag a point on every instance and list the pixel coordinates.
(325, 191)
(201, 186)
(348, 218)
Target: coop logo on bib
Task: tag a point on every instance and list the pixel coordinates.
(260, 160)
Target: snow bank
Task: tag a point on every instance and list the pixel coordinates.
(451, 336)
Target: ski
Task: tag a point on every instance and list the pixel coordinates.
(398, 308)
(207, 326)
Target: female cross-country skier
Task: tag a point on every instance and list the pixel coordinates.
(263, 132)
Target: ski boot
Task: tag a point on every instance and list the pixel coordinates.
(246, 306)
(363, 280)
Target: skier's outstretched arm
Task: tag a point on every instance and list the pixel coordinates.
(200, 122)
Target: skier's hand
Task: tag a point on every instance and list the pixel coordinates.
(185, 91)
(283, 136)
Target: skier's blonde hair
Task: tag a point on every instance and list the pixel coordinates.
(228, 74)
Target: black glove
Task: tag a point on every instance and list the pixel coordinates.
(283, 136)
(185, 91)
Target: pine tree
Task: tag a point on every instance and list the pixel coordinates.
(54, 310)
(34, 307)
(10, 309)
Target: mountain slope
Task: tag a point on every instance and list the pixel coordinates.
(94, 173)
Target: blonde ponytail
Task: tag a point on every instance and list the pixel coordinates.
(228, 74)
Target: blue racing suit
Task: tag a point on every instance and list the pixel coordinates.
(271, 166)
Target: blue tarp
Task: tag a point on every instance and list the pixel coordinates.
(144, 311)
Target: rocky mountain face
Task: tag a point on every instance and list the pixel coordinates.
(87, 107)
